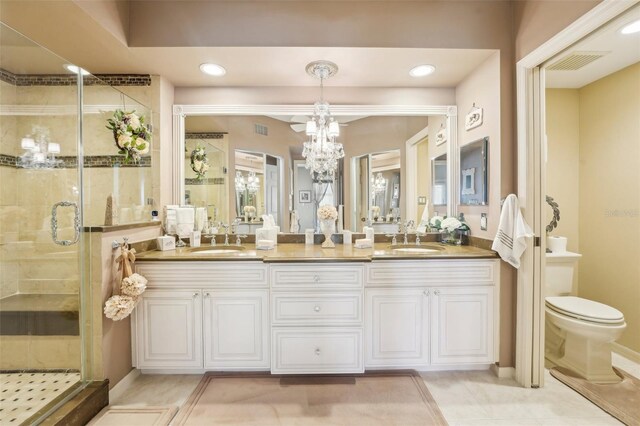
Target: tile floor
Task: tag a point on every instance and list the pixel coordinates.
(465, 398)
(23, 394)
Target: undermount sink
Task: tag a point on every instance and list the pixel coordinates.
(217, 250)
(413, 249)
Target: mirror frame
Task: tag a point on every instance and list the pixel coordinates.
(180, 112)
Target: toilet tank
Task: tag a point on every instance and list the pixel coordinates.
(559, 273)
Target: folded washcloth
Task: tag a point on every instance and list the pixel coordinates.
(510, 241)
(265, 245)
(364, 243)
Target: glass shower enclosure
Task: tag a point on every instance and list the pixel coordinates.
(55, 175)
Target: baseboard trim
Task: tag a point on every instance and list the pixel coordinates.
(120, 387)
(503, 372)
(625, 352)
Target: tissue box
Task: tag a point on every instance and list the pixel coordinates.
(166, 243)
(267, 234)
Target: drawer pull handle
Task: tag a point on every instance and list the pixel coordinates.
(436, 292)
(317, 351)
(195, 295)
(426, 292)
(316, 278)
(207, 294)
(316, 308)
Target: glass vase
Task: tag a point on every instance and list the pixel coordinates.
(327, 227)
(451, 237)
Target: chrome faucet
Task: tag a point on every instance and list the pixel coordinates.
(394, 239)
(226, 233)
(409, 224)
(418, 235)
(238, 239)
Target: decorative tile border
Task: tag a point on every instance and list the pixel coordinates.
(7, 160)
(71, 80)
(90, 161)
(204, 135)
(209, 181)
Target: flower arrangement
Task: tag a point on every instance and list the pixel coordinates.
(199, 162)
(450, 227)
(130, 133)
(249, 212)
(327, 213)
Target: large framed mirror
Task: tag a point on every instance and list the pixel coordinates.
(257, 142)
(258, 185)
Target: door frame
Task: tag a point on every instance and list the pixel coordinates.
(530, 99)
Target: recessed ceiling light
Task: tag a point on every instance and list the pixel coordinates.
(75, 69)
(422, 70)
(631, 28)
(213, 69)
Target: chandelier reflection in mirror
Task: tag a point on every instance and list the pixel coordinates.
(39, 151)
(322, 152)
(378, 184)
(251, 183)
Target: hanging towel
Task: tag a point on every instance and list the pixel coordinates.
(201, 218)
(510, 241)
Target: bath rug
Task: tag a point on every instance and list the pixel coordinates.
(139, 416)
(621, 400)
(378, 398)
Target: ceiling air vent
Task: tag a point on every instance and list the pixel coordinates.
(261, 129)
(576, 60)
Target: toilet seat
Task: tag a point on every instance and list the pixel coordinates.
(584, 309)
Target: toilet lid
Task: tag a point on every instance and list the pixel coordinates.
(580, 308)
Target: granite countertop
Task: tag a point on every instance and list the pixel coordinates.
(305, 253)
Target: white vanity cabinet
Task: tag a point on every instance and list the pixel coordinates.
(168, 329)
(431, 314)
(316, 318)
(202, 316)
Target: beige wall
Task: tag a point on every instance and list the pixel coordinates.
(563, 150)
(536, 21)
(610, 196)
(482, 87)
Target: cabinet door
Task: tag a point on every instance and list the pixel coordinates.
(397, 327)
(169, 329)
(236, 329)
(462, 326)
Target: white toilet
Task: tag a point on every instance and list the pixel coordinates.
(578, 331)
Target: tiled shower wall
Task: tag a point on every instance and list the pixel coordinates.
(31, 263)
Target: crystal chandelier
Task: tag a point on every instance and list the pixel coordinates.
(253, 183)
(322, 152)
(39, 152)
(240, 182)
(378, 184)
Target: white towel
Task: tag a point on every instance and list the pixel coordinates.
(510, 241)
(294, 228)
(201, 218)
(185, 215)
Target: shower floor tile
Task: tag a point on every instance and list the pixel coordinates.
(22, 394)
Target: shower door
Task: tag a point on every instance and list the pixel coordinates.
(41, 338)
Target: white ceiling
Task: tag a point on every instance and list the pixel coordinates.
(623, 50)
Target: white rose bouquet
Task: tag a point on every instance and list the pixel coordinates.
(131, 135)
(450, 228)
(327, 213)
(199, 162)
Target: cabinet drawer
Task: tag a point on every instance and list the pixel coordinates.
(432, 273)
(174, 274)
(316, 277)
(317, 350)
(317, 308)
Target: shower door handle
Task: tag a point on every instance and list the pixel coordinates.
(54, 223)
